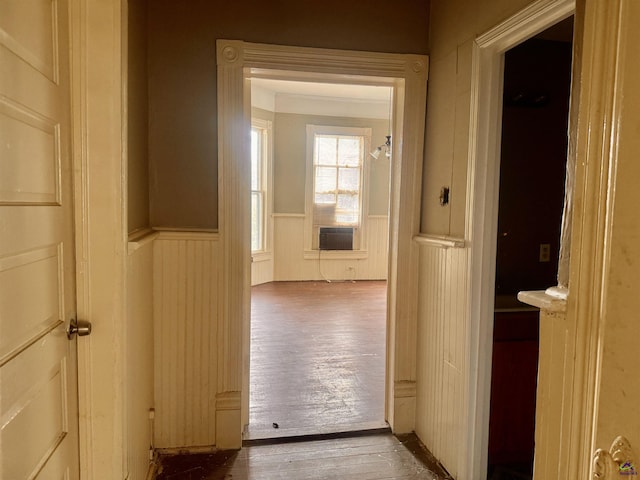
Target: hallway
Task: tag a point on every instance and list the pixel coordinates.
(371, 457)
(317, 358)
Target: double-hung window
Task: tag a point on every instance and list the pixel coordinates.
(335, 182)
(259, 186)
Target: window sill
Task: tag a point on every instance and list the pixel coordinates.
(543, 300)
(335, 254)
(260, 257)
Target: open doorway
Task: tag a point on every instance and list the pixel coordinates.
(238, 62)
(533, 155)
(320, 214)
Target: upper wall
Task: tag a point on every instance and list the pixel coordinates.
(290, 161)
(182, 78)
(454, 24)
(137, 134)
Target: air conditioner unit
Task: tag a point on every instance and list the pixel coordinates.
(335, 238)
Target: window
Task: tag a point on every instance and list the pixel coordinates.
(259, 185)
(335, 181)
(337, 178)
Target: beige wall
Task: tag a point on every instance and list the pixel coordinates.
(262, 114)
(182, 78)
(619, 390)
(290, 160)
(137, 135)
(454, 24)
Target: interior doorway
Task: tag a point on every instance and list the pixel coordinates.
(533, 156)
(320, 215)
(407, 73)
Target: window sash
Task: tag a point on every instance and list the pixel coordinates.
(258, 189)
(338, 157)
(257, 221)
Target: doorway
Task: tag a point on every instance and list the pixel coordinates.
(237, 62)
(319, 230)
(482, 217)
(533, 157)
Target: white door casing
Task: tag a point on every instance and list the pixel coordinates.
(38, 393)
(98, 93)
(237, 61)
(482, 209)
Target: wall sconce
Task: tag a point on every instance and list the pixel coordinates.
(386, 146)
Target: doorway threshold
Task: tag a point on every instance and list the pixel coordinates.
(292, 435)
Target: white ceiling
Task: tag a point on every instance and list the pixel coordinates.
(315, 98)
(331, 90)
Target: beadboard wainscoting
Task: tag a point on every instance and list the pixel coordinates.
(261, 268)
(441, 369)
(291, 263)
(186, 289)
(139, 353)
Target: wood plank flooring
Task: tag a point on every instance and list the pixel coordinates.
(373, 457)
(317, 358)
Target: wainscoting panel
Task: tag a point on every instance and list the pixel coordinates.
(186, 274)
(139, 351)
(290, 262)
(441, 370)
(261, 268)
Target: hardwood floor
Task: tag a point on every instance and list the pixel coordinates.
(317, 366)
(317, 358)
(372, 457)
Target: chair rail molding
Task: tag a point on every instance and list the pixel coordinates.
(238, 61)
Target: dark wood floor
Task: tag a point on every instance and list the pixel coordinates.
(373, 457)
(318, 366)
(317, 358)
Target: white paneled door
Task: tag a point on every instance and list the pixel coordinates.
(38, 386)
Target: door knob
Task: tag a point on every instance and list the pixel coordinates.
(81, 328)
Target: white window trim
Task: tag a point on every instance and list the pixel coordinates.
(311, 250)
(267, 144)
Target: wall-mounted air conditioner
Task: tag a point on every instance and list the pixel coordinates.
(335, 238)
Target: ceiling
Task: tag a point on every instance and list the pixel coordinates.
(317, 98)
(327, 90)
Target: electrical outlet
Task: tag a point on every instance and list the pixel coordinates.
(545, 252)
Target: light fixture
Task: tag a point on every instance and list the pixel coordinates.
(386, 146)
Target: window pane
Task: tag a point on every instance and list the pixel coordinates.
(337, 179)
(348, 202)
(255, 159)
(349, 151)
(326, 150)
(349, 179)
(325, 180)
(256, 221)
(325, 198)
(347, 219)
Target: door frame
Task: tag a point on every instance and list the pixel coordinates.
(98, 97)
(408, 74)
(482, 208)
